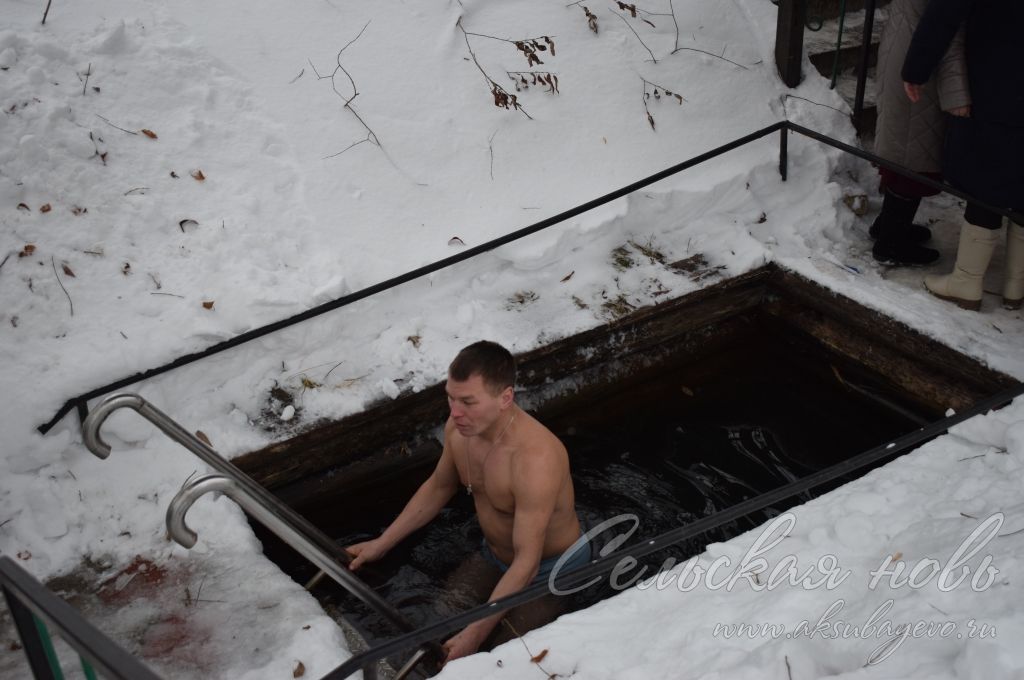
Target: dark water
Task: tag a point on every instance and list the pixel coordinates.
(670, 451)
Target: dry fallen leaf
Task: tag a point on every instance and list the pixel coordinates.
(67, 270)
(45, 208)
(198, 175)
(456, 241)
(897, 557)
(78, 210)
(148, 133)
(300, 670)
(174, 174)
(415, 340)
(201, 436)
(22, 206)
(126, 269)
(208, 305)
(568, 276)
(539, 657)
(27, 250)
(24, 555)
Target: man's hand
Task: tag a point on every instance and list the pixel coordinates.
(367, 551)
(961, 111)
(913, 91)
(465, 643)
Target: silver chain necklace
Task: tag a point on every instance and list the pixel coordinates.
(469, 482)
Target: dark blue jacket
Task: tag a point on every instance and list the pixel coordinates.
(984, 154)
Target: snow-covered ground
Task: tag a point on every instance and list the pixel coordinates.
(259, 194)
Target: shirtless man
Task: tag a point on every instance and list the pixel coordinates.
(518, 474)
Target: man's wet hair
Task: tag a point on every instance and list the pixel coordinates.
(492, 362)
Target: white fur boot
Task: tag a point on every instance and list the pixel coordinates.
(1013, 279)
(964, 285)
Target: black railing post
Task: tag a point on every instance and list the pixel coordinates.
(784, 152)
(862, 71)
(31, 638)
(789, 40)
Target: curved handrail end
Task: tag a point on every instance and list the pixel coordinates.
(97, 416)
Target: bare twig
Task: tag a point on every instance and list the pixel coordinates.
(650, 118)
(528, 651)
(9, 256)
(169, 295)
(371, 136)
(813, 102)
(636, 34)
(501, 97)
(667, 91)
(88, 72)
(115, 126)
(54, 265)
(490, 148)
(361, 141)
(297, 77)
(138, 190)
(508, 40)
(47, 11)
(710, 54)
(789, 671)
(673, 11)
(332, 369)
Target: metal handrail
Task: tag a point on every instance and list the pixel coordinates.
(269, 509)
(28, 598)
(183, 535)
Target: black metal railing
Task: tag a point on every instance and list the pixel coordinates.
(35, 609)
(80, 402)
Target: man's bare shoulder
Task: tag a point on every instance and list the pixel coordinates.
(537, 441)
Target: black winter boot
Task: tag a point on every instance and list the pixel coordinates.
(915, 233)
(895, 243)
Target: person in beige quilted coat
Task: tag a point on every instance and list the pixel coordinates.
(911, 134)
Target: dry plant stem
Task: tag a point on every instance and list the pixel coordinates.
(636, 34)
(88, 72)
(494, 37)
(490, 148)
(490, 81)
(528, 651)
(46, 11)
(115, 126)
(672, 9)
(710, 54)
(793, 96)
(54, 265)
(666, 89)
(371, 136)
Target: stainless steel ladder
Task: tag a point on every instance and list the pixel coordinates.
(287, 524)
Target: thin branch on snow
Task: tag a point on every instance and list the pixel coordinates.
(47, 11)
(674, 21)
(636, 34)
(54, 265)
(371, 136)
(490, 148)
(115, 126)
(501, 97)
(88, 72)
(710, 54)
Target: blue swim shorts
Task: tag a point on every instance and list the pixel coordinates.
(579, 554)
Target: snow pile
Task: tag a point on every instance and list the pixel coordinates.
(257, 192)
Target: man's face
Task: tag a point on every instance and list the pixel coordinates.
(474, 408)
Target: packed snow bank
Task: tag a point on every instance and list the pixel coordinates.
(301, 199)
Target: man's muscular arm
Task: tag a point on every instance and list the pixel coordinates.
(424, 506)
(537, 477)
